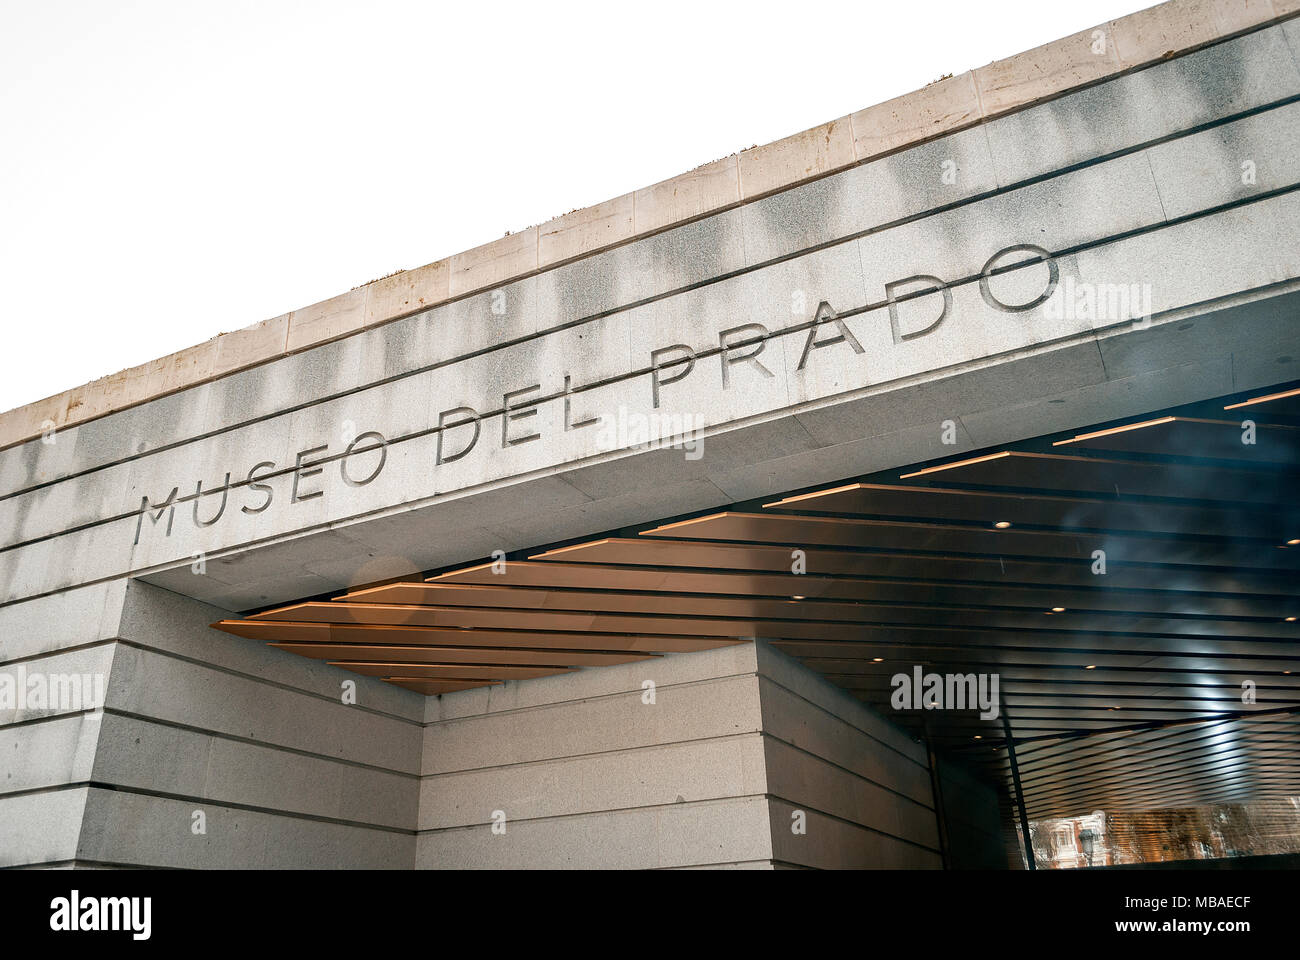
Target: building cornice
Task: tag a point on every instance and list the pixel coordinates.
(1083, 59)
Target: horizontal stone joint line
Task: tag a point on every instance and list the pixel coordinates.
(849, 723)
(49, 718)
(852, 823)
(529, 707)
(230, 671)
(853, 773)
(263, 744)
(564, 758)
(247, 807)
(604, 811)
(59, 651)
(82, 861)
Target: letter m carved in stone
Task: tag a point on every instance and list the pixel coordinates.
(168, 505)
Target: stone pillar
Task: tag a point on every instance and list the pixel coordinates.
(210, 751)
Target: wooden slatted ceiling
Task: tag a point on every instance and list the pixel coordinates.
(952, 540)
(1123, 478)
(776, 558)
(679, 582)
(272, 629)
(1056, 512)
(432, 688)
(1124, 690)
(1026, 612)
(417, 654)
(1212, 439)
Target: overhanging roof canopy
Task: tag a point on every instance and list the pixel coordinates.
(1125, 583)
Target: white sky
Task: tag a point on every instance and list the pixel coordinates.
(171, 169)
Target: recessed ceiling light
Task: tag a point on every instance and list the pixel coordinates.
(1002, 524)
(978, 737)
(1292, 543)
(1058, 609)
(798, 596)
(1290, 619)
(1091, 666)
(877, 659)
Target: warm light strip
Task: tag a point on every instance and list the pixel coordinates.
(959, 463)
(1271, 396)
(455, 666)
(442, 680)
(1114, 430)
(682, 523)
(572, 546)
(813, 495)
(355, 595)
(288, 606)
(456, 573)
